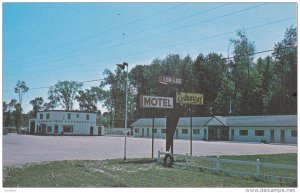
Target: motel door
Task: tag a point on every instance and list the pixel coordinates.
(32, 125)
(147, 132)
(99, 130)
(176, 133)
(91, 131)
(55, 129)
(272, 136)
(143, 132)
(282, 136)
(232, 134)
(43, 131)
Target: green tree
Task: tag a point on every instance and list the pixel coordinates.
(115, 97)
(284, 100)
(265, 68)
(17, 113)
(21, 89)
(6, 114)
(87, 100)
(37, 105)
(224, 97)
(63, 94)
(242, 68)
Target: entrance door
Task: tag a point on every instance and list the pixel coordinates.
(143, 132)
(282, 136)
(43, 132)
(91, 130)
(147, 132)
(32, 125)
(55, 129)
(99, 130)
(272, 136)
(176, 133)
(232, 134)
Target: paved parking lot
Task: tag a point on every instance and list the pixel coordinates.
(19, 149)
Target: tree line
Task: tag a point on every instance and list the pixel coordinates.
(238, 85)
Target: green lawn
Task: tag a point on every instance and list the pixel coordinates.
(133, 173)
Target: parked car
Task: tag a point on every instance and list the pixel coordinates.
(22, 131)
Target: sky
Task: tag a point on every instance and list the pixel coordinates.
(44, 43)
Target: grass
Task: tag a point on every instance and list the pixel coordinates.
(133, 173)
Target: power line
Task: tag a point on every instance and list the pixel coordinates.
(120, 38)
(166, 32)
(172, 45)
(111, 29)
(44, 87)
(255, 53)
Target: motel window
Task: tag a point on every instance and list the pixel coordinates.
(163, 130)
(47, 116)
(154, 130)
(196, 131)
(137, 130)
(69, 115)
(185, 131)
(294, 133)
(49, 129)
(68, 128)
(245, 133)
(259, 132)
(77, 116)
(87, 117)
(41, 116)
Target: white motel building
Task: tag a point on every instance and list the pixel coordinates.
(269, 129)
(59, 122)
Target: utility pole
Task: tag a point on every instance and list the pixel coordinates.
(122, 66)
(191, 132)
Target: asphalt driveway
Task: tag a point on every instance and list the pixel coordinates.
(20, 149)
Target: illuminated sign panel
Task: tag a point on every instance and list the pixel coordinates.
(156, 102)
(189, 98)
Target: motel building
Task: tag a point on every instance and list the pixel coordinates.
(268, 129)
(58, 122)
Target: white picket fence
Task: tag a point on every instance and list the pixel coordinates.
(217, 166)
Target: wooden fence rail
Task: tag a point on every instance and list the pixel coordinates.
(218, 166)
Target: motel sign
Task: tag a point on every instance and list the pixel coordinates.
(156, 102)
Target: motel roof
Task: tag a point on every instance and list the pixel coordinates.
(231, 121)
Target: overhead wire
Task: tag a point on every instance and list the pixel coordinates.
(44, 87)
(120, 38)
(166, 32)
(226, 58)
(111, 29)
(164, 47)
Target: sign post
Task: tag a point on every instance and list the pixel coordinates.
(155, 102)
(191, 131)
(172, 117)
(190, 99)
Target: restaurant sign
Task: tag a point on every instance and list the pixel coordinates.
(189, 98)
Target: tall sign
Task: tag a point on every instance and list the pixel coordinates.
(189, 98)
(156, 102)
